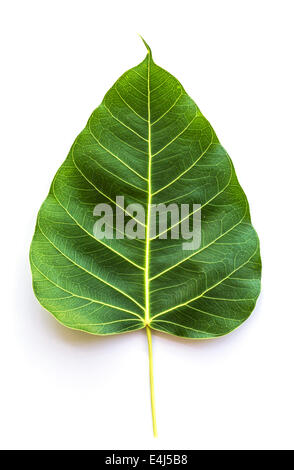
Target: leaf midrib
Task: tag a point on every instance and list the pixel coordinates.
(147, 239)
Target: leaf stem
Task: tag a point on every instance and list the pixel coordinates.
(147, 255)
(148, 331)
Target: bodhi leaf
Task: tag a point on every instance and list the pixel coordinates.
(148, 142)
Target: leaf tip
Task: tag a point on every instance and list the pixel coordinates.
(146, 45)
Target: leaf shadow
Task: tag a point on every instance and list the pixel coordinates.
(78, 338)
(227, 339)
(43, 320)
(71, 336)
(186, 342)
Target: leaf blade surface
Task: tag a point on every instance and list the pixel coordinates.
(149, 142)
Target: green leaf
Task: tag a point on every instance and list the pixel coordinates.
(149, 142)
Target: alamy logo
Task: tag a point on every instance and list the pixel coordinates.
(172, 221)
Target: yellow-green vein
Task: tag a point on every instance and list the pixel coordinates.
(147, 256)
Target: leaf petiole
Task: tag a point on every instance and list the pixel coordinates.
(149, 338)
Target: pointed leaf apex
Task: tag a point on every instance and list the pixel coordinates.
(146, 45)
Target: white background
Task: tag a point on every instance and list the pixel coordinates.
(62, 389)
